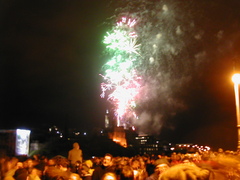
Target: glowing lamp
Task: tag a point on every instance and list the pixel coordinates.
(236, 78)
(236, 81)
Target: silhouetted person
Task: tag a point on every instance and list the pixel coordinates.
(75, 155)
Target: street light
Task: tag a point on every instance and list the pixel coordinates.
(236, 81)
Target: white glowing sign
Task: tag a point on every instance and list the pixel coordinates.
(22, 141)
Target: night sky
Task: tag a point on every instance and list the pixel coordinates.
(50, 62)
(51, 57)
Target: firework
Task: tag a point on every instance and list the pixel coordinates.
(121, 81)
(148, 83)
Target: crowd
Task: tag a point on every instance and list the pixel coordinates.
(207, 165)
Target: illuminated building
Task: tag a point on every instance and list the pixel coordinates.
(148, 145)
(119, 136)
(116, 133)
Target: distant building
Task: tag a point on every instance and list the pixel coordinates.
(107, 121)
(148, 145)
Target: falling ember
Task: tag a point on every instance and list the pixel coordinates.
(121, 82)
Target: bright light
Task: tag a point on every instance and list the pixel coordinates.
(22, 141)
(236, 78)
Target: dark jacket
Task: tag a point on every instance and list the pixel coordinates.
(101, 170)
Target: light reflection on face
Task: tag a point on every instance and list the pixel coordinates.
(74, 176)
(109, 176)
